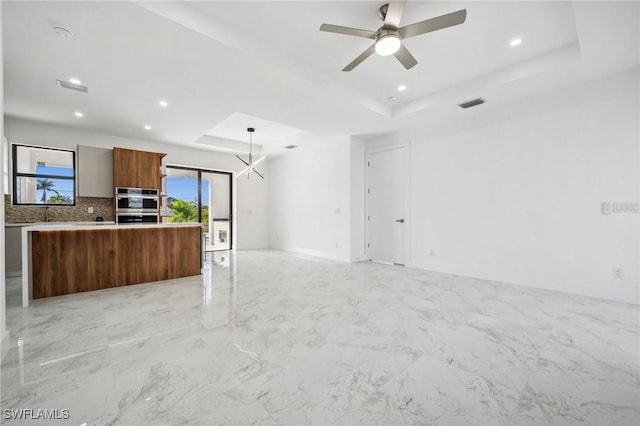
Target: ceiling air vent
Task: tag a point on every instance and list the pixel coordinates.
(291, 146)
(472, 103)
(72, 86)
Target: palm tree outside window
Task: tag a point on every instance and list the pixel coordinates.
(43, 176)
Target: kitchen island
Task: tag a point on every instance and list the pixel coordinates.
(63, 259)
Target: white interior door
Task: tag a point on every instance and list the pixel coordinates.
(386, 192)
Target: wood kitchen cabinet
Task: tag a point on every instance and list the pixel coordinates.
(137, 169)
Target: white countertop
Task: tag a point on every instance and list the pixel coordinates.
(92, 222)
(73, 226)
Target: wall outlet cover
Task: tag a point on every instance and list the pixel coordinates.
(618, 273)
(626, 207)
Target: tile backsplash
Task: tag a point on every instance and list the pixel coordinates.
(78, 213)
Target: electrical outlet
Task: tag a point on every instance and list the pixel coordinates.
(617, 273)
(337, 245)
(90, 209)
(432, 252)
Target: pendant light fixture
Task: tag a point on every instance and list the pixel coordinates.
(251, 166)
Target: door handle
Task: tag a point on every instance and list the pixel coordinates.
(400, 220)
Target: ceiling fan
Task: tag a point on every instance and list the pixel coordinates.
(388, 37)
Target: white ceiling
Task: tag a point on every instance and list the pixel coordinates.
(219, 64)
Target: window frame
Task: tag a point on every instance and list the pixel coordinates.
(15, 175)
(199, 171)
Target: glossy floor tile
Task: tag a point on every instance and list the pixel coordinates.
(266, 337)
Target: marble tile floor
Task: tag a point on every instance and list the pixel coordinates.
(273, 338)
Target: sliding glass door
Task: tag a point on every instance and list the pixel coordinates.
(217, 186)
(198, 195)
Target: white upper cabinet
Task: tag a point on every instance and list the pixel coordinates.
(95, 172)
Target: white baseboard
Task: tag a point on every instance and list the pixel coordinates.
(550, 284)
(315, 253)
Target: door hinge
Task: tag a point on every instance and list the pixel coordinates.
(368, 164)
(368, 245)
(368, 218)
(368, 190)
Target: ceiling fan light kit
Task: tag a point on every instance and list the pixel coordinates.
(388, 42)
(388, 38)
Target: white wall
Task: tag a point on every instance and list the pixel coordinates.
(309, 198)
(519, 201)
(252, 212)
(358, 188)
(251, 195)
(4, 335)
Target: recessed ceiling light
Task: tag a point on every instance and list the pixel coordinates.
(402, 88)
(147, 127)
(515, 42)
(75, 81)
(78, 114)
(163, 103)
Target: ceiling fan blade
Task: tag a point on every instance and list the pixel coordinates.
(348, 31)
(364, 55)
(394, 13)
(405, 57)
(258, 173)
(434, 24)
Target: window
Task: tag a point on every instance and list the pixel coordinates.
(43, 176)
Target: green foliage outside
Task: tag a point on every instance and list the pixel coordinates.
(186, 211)
(183, 211)
(205, 218)
(59, 199)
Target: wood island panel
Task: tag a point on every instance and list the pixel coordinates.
(153, 256)
(72, 261)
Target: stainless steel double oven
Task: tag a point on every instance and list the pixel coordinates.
(137, 205)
